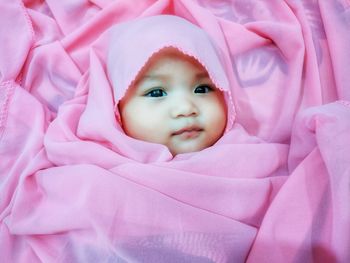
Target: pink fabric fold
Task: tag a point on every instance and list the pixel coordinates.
(75, 188)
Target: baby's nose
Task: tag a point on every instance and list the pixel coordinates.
(184, 108)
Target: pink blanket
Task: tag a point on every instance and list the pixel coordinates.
(274, 188)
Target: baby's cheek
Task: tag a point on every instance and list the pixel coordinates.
(216, 122)
(216, 110)
(149, 126)
(132, 120)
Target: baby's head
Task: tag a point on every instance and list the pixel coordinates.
(169, 83)
(174, 102)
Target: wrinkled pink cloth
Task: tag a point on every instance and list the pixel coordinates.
(275, 187)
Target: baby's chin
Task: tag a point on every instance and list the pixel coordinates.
(187, 148)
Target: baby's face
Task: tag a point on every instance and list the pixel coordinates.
(173, 102)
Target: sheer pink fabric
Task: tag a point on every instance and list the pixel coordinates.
(274, 188)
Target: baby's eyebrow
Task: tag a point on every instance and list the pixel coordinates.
(202, 75)
(154, 77)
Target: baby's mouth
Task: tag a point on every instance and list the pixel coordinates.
(188, 132)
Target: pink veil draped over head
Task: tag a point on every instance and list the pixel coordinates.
(75, 188)
(126, 199)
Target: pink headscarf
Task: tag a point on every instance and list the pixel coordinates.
(133, 43)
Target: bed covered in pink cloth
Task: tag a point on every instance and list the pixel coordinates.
(275, 189)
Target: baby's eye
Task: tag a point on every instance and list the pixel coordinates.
(203, 89)
(156, 93)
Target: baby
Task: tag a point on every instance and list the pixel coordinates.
(171, 99)
(173, 102)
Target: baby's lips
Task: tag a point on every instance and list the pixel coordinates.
(189, 129)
